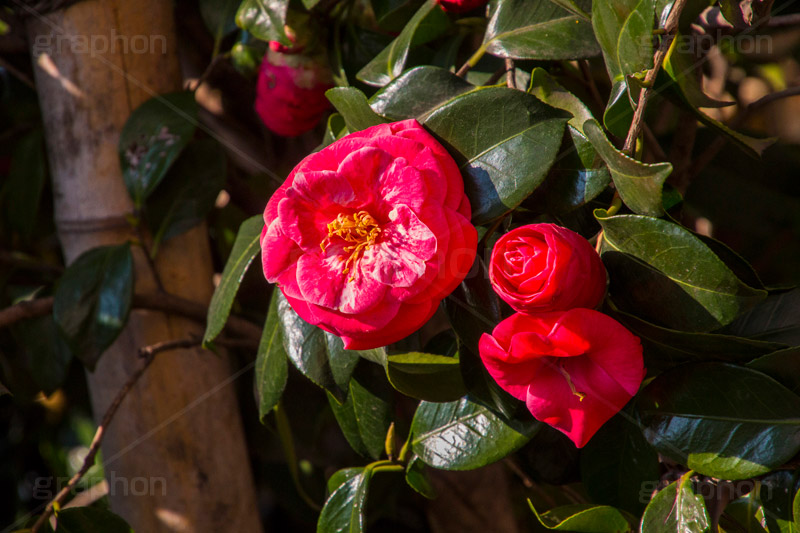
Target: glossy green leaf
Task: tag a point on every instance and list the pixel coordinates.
(93, 299)
(548, 90)
(783, 366)
(680, 64)
(417, 92)
(392, 15)
(721, 420)
(367, 413)
(617, 462)
(776, 495)
(90, 520)
(435, 378)
(583, 518)
(666, 348)
(152, 138)
(545, 29)
(746, 512)
(676, 509)
(188, 191)
(344, 509)
(646, 256)
(504, 140)
(353, 107)
(776, 319)
(245, 248)
(624, 30)
(318, 355)
(639, 184)
(417, 479)
(335, 130)
(462, 435)
(265, 19)
(21, 191)
(272, 368)
(428, 22)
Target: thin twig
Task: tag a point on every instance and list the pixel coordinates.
(168, 303)
(511, 77)
(149, 354)
(644, 95)
(713, 149)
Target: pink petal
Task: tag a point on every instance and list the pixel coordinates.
(513, 377)
(409, 318)
(278, 252)
(362, 169)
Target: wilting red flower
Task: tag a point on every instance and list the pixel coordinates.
(574, 370)
(368, 235)
(544, 267)
(461, 6)
(290, 93)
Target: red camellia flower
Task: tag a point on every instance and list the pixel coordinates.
(574, 369)
(368, 235)
(461, 6)
(290, 93)
(544, 267)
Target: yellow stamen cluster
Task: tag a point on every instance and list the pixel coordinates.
(360, 228)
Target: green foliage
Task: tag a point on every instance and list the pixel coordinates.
(93, 300)
(583, 518)
(244, 251)
(153, 137)
(272, 367)
(90, 520)
(676, 508)
(264, 19)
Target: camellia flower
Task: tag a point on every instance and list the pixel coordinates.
(290, 92)
(461, 6)
(574, 370)
(544, 267)
(368, 235)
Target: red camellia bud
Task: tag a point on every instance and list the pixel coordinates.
(544, 267)
(461, 6)
(574, 370)
(290, 94)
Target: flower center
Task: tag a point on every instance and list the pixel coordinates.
(580, 395)
(360, 229)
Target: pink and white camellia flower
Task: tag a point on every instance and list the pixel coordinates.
(574, 370)
(368, 235)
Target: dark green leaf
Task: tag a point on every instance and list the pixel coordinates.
(335, 130)
(583, 518)
(666, 348)
(152, 138)
(93, 300)
(522, 29)
(676, 509)
(46, 353)
(344, 509)
(417, 479)
(265, 19)
(777, 494)
(367, 413)
(90, 520)
(22, 189)
(188, 191)
(624, 30)
(417, 92)
(392, 15)
(681, 66)
(639, 184)
(783, 366)
(435, 378)
(549, 91)
(245, 249)
(271, 366)
(617, 463)
(353, 107)
(427, 23)
(646, 256)
(462, 435)
(717, 419)
(744, 513)
(776, 319)
(316, 354)
(505, 142)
